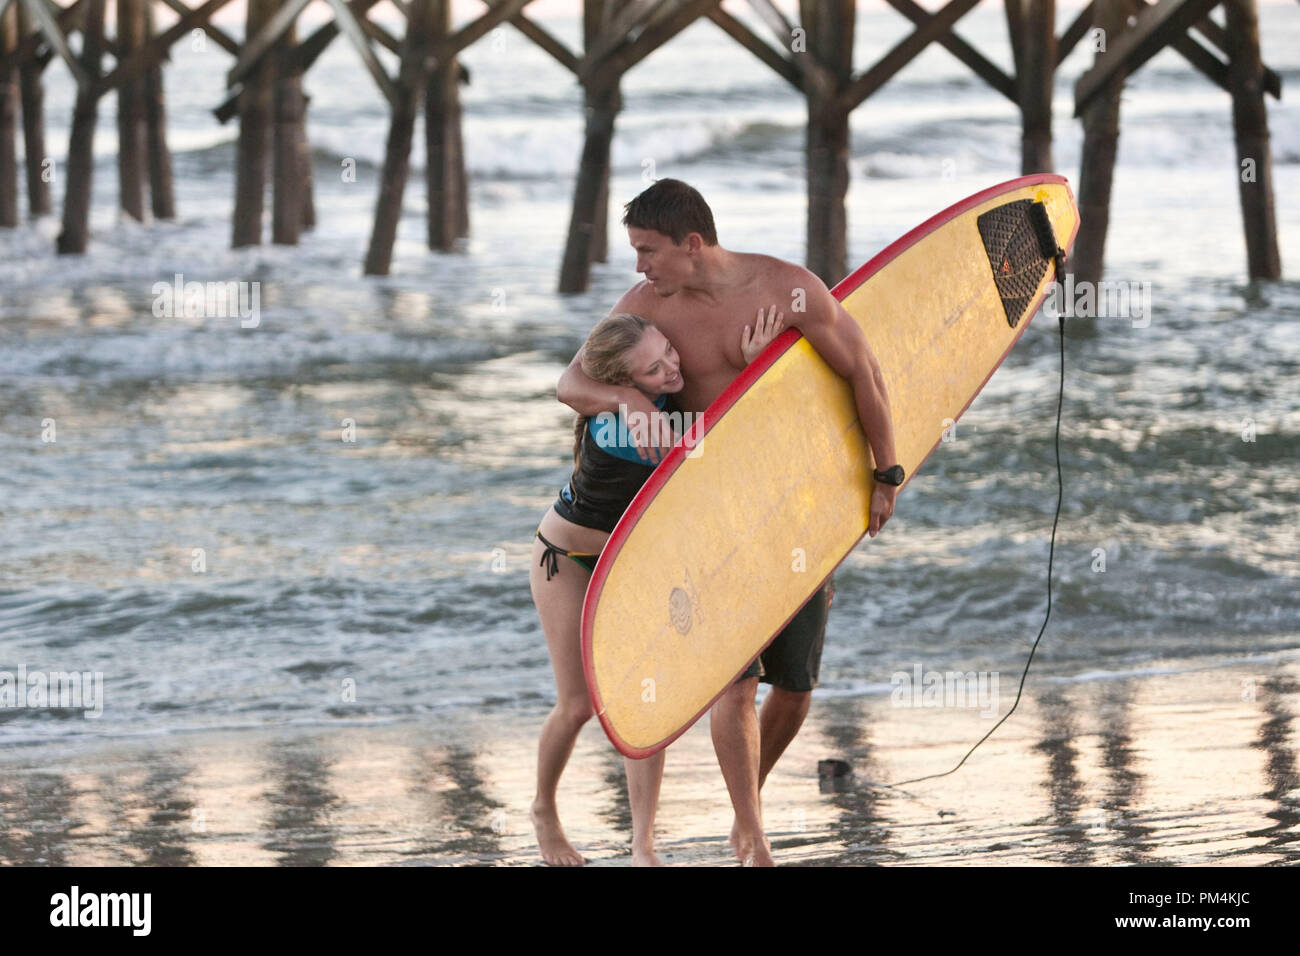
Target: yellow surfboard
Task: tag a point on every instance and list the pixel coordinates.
(746, 518)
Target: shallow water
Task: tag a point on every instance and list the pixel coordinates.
(201, 533)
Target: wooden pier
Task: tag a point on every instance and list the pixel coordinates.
(813, 53)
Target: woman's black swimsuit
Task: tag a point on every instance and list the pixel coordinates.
(609, 475)
(551, 557)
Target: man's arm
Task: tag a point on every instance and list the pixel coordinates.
(588, 397)
(839, 340)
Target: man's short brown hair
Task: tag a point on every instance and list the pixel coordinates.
(674, 209)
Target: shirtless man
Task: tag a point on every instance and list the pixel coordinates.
(700, 296)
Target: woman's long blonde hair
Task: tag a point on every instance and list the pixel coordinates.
(605, 359)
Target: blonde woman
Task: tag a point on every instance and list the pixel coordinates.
(623, 350)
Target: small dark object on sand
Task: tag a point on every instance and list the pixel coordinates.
(833, 768)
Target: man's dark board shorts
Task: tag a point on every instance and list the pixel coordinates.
(794, 658)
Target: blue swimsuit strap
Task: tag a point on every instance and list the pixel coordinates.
(614, 439)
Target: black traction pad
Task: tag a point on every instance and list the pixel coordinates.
(1016, 255)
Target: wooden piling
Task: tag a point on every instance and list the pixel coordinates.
(618, 34)
(306, 171)
(1100, 142)
(448, 218)
(265, 88)
(131, 113)
(397, 155)
(600, 222)
(8, 122)
(161, 188)
(599, 251)
(602, 106)
(1035, 54)
(1254, 153)
(462, 177)
(80, 169)
(254, 136)
(286, 174)
(829, 25)
(587, 238)
(33, 98)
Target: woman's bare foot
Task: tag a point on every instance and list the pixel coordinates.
(555, 846)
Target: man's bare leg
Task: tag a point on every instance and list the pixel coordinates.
(643, 780)
(779, 721)
(734, 726)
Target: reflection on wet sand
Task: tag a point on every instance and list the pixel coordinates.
(37, 824)
(1178, 767)
(470, 813)
(1066, 790)
(158, 817)
(861, 822)
(300, 802)
(1119, 804)
(618, 809)
(1284, 783)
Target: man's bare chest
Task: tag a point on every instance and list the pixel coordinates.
(708, 338)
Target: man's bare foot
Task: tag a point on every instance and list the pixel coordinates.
(555, 846)
(645, 858)
(751, 850)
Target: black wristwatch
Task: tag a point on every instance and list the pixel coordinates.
(890, 476)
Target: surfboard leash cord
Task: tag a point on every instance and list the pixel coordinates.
(1051, 552)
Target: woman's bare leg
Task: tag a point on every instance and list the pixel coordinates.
(559, 605)
(643, 780)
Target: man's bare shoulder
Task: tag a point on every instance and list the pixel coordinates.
(783, 281)
(639, 300)
(770, 269)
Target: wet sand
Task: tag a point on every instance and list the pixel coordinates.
(1193, 765)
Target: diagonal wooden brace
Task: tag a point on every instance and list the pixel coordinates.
(40, 13)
